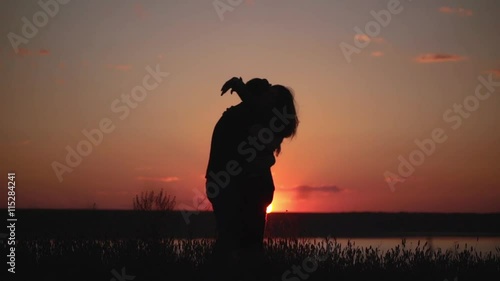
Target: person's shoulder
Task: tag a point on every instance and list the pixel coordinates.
(236, 109)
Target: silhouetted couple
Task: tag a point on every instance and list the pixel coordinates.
(239, 182)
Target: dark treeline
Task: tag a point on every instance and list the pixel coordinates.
(110, 224)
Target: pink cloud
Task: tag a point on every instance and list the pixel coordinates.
(458, 11)
(306, 191)
(495, 72)
(161, 179)
(435, 58)
(120, 67)
(139, 11)
(365, 38)
(143, 168)
(361, 38)
(123, 67)
(23, 52)
(377, 54)
(19, 142)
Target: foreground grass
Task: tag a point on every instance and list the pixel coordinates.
(168, 259)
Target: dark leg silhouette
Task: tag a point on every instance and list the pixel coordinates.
(224, 259)
(258, 195)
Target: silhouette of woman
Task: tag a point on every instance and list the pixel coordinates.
(239, 182)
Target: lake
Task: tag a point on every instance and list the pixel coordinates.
(479, 244)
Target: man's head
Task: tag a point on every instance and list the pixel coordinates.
(275, 97)
(258, 86)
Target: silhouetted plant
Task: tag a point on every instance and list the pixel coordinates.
(149, 201)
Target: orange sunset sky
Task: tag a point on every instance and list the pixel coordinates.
(363, 100)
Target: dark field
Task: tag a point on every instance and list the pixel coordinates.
(114, 245)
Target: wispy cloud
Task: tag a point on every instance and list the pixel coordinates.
(365, 38)
(495, 72)
(139, 11)
(457, 11)
(20, 142)
(23, 52)
(435, 58)
(143, 168)
(119, 67)
(304, 191)
(160, 179)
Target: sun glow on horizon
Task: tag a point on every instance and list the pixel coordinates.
(269, 208)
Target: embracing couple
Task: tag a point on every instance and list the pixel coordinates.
(239, 182)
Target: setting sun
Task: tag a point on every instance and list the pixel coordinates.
(269, 208)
